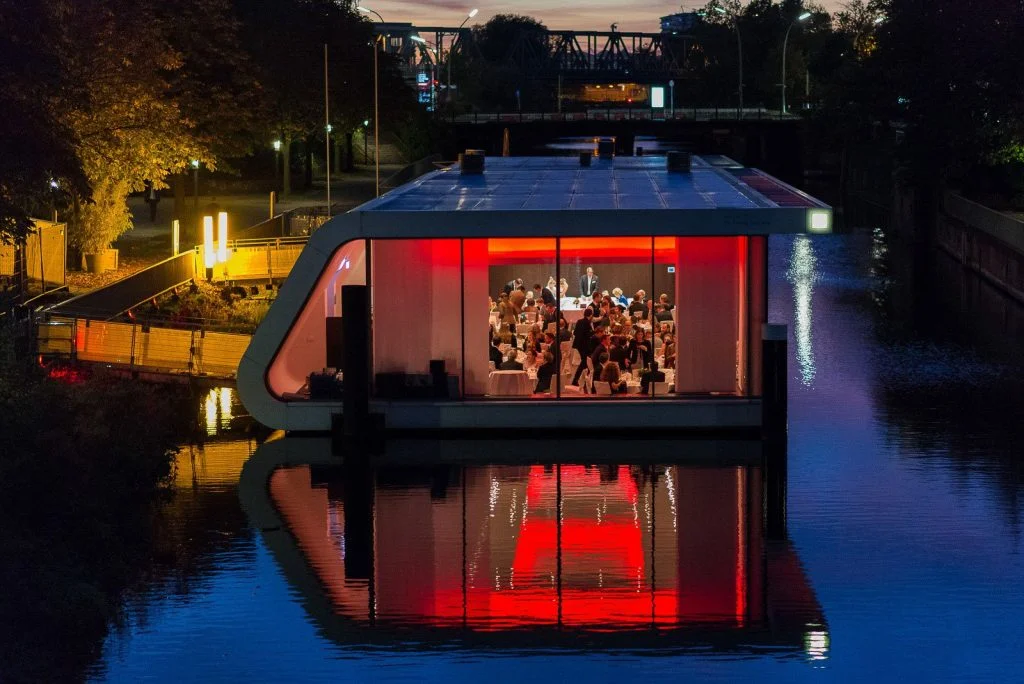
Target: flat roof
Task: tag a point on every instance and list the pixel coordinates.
(620, 183)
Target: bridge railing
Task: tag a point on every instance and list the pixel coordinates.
(618, 114)
(122, 295)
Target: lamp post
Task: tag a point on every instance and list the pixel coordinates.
(366, 142)
(195, 186)
(739, 47)
(277, 162)
(803, 17)
(448, 95)
(376, 97)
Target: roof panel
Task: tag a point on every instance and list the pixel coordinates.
(623, 183)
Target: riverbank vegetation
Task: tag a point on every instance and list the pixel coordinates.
(83, 461)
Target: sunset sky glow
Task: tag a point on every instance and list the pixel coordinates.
(592, 14)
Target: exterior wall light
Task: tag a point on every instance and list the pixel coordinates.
(819, 221)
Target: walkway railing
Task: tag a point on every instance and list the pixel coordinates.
(120, 296)
(258, 259)
(141, 347)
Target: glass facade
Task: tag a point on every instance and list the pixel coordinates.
(620, 318)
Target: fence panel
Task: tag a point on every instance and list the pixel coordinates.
(163, 348)
(104, 342)
(220, 353)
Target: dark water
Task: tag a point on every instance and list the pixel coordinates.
(903, 561)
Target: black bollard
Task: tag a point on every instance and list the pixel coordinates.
(357, 499)
(355, 310)
(774, 400)
(774, 425)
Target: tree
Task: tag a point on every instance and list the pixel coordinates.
(510, 50)
(149, 104)
(38, 165)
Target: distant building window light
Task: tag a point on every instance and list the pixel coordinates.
(658, 97)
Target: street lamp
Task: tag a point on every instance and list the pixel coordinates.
(195, 186)
(800, 19)
(377, 40)
(739, 47)
(448, 94)
(366, 142)
(277, 161)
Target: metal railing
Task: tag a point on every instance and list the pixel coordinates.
(120, 296)
(257, 259)
(619, 114)
(139, 346)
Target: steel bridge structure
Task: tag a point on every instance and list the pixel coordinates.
(571, 55)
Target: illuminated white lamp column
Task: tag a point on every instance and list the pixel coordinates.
(209, 249)
(222, 237)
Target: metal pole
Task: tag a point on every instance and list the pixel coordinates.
(376, 114)
(327, 129)
(785, 43)
(739, 46)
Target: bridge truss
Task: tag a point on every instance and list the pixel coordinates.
(572, 55)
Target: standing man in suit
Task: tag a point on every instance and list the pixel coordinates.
(589, 283)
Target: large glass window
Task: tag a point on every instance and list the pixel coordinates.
(313, 341)
(537, 318)
(522, 349)
(610, 285)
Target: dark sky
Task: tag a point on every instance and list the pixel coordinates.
(567, 14)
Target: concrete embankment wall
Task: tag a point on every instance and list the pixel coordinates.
(986, 241)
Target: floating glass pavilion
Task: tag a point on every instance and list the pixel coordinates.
(432, 251)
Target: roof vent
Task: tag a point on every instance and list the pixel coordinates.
(606, 148)
(585, 158)
(471, 161)
(678, 162)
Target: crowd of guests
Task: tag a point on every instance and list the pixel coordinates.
(609, 334)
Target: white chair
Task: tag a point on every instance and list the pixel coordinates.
(659, 389)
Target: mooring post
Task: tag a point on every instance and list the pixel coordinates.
(774, 426)
(355, 356)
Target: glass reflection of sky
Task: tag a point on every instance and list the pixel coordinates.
(803, 274)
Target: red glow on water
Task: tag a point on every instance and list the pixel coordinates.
(70, 376)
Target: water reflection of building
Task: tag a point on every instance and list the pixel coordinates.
(526, 554)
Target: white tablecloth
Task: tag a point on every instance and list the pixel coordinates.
(510, 384)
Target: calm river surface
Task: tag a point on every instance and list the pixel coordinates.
(904, 558)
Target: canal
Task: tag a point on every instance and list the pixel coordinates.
(622, 561)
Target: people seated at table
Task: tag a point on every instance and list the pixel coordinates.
(638, 306)
(611, 374)
(581, 334)
(530, 306)
(619, 298)
(661, 314)
(600, 343)
(512, 363)
(663, 300)
(649, 376)
(529, 360)
(533, 340)
(563, 287)
(617, 352)
(545, 372)
(495, 351)
(563, 330)
(670, 351)
(640, 350)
